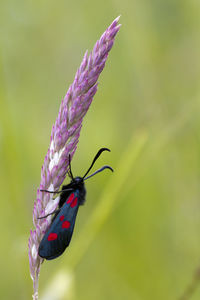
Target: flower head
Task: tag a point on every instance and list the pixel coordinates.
(64, 138)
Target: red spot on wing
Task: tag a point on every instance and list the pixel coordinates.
(52, 236)
(66, 224)
(74, 202)
(70, 199)
(62, 218)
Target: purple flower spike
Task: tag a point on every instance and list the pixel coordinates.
(64, 139)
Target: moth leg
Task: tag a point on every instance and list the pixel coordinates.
(57, 192)
(54, 212)
(51, 192)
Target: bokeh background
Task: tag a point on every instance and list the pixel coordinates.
(138, 235)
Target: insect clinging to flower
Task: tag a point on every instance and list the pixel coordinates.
(58, 236)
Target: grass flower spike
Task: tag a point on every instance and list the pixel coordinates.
(64, 138)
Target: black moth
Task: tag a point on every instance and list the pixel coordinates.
(59, 233)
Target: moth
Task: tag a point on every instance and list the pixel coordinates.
(58, 236)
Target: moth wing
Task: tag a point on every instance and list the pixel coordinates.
(59, 234)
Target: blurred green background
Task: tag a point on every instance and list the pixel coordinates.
(137, 237)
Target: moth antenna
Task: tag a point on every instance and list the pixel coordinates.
(100, 170)
(95, 158)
